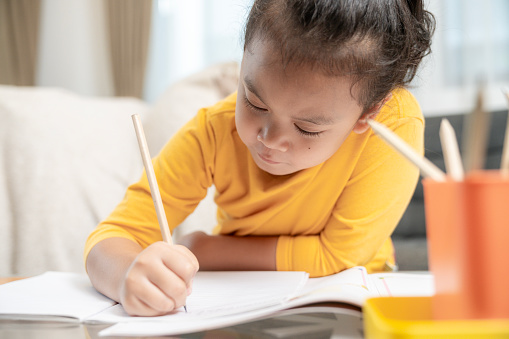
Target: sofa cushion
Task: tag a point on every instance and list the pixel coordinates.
(65, 162)
(181, 101)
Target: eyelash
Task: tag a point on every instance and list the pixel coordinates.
(253, 107)
(300, 130)
(307, 133)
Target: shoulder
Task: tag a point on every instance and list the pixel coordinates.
(213, 120)
(214, 126)
(221, 112)
(402, 114)
(402, 105)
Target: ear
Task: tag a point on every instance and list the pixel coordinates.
(361, 125)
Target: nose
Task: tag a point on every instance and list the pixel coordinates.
(273, 138)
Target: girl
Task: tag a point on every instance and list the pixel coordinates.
(301, 182)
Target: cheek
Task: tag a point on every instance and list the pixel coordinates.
(246, 125)
(318, 154)
(318, 151)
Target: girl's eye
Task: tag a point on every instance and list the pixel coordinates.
(259, 109)
(307, 133)
(253, 107)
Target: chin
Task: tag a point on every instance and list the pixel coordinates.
(276, 170)
(281, 173)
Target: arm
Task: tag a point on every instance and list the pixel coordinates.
(148, 282)
(227, 253)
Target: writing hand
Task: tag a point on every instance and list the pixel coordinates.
(159, 280)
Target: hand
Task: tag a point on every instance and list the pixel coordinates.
(158, 280)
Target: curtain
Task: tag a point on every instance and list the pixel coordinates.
(129, 33)
(19, 30)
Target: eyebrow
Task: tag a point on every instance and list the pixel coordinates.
(316, 120)
(252, 88)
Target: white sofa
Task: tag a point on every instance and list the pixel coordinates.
(66, 160)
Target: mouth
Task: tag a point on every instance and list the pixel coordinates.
(267, 160)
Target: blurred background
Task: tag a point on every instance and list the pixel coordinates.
(82, 67)
(88, 46)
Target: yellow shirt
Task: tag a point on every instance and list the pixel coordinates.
(333, 216)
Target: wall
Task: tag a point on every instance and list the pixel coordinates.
(73, 49)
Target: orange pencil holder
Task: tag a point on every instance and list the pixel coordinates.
(467, 225)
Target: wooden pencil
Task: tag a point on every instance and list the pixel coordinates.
(450, 148)
(475, 136)
(152, 181)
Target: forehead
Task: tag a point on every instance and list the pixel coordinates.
(296, 85)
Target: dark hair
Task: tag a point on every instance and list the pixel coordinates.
(379, 43)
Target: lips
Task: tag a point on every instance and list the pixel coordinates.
(267, 160)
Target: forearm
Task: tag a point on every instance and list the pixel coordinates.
(232, 253)
(108, 263)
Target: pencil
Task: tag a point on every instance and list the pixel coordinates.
(427, 168)
(154, 188)
(504, 166)
(451, 151)
(151, 176)
(475, 135)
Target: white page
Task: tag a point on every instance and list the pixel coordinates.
(219, 294)
(59, 294)
(400, 284)
(348, 286)
(354, 276)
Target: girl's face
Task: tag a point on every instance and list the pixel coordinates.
(294, 118)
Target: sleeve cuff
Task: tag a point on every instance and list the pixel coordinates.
(283, 253)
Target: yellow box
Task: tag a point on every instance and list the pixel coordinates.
(410, 317)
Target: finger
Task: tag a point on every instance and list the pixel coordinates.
(184, 250)
(135, 307)
(170, 284)
(190, 255)
(141, 309)
(182, 264)
(153, 297)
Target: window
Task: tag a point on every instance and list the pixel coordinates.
(470, 46)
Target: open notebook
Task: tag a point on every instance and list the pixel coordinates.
(219, 299)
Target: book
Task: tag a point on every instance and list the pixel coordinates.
(219, 299)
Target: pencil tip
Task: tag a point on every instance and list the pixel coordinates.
(185, 308)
